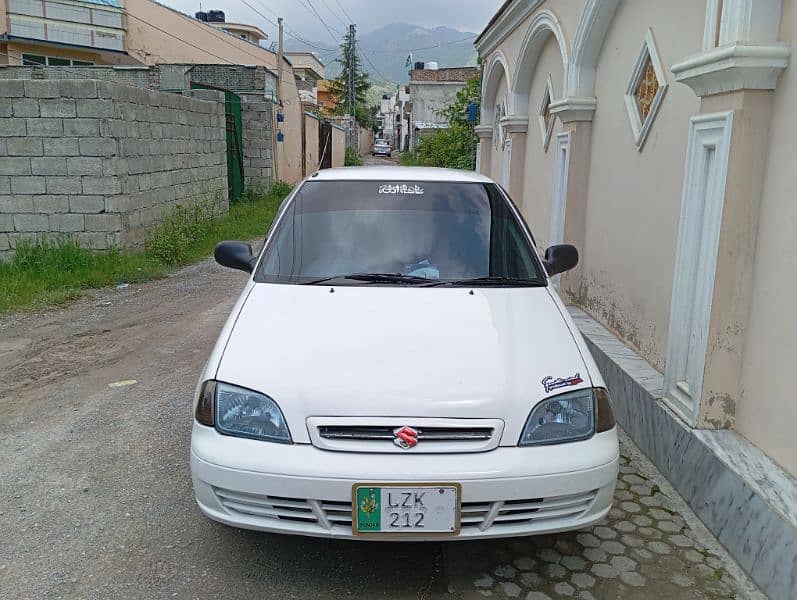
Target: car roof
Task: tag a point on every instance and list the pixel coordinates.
(379, 173)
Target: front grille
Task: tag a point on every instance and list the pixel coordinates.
(436, 434)
(484, 515)
(325, 513)
(475, 516)
(378, 434)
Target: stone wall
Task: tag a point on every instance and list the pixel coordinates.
(338, 146)
(102, 161)
(311, 149)
(257, 116)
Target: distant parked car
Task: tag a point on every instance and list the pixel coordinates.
(381, 148)
(399, 367)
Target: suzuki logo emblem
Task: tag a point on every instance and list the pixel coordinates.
(406, 437)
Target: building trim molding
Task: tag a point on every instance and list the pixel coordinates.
(703, 199)
(593, 25)
(546, 126)
(484, 131)
(639, 127)
(738, 66)
(571, 109)
(515, 123)
(490, 90)
(544, 24)
(497, 32)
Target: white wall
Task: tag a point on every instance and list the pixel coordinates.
(634, 197)
(539, 165)
(768, 411)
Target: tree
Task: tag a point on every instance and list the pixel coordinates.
(350, 63)
(454, 147)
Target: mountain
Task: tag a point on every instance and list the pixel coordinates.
(388, 48)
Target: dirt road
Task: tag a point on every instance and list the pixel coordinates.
(95, 490)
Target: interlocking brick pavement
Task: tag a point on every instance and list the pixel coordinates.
(649, 546)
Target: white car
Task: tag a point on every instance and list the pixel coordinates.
(399, 366)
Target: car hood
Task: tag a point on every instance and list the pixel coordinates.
(372, 351)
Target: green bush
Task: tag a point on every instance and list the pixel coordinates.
(169, 240)
(455, 147)
(409, 159)
(352, 158)
(55, 270)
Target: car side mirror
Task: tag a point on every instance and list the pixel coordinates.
(235, 255)
(559, 259)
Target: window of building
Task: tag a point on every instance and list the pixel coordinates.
(645, 91)
(54, 61)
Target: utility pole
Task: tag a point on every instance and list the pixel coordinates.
(279, 63)
(351, 92)
(275, 145)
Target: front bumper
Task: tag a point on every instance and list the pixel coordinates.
(300, 489)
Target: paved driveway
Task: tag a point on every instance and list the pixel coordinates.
(96, 501)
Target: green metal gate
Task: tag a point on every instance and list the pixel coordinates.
(235, 158)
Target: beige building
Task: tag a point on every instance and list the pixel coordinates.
(659, 139)
(308, 71)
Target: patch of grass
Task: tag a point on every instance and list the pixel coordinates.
(57, 270)
(352, 159)
(409, 159)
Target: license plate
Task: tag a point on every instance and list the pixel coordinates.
(414, 510)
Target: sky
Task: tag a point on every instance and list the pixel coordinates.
(464, 15)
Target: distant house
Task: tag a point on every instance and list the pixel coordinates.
(250, 33)
(432, 90)
(308, 71)
(327, 96)
(52, 33)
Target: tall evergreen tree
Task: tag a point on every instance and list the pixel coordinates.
(350, 63)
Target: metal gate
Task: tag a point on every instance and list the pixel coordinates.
(325, 144)
(235, 145)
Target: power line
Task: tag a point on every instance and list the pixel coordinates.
(373, 66)
(333, 13)
(288, 31)
(334, 34)
(345, 12)
(470, 37)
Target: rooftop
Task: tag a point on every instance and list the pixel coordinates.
(393, 174)
(255, 31)
(453, 74)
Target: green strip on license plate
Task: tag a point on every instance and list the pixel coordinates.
(369, 509)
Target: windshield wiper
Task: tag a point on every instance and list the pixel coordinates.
(495, 280)
(376, 278)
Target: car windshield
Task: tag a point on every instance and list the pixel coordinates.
(443, 233)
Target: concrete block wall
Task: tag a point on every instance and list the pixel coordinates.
(258, 139)
(312, 158)
(338, 146)
(101, 161)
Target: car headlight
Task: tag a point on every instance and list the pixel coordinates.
(242, 413)
(568, 417)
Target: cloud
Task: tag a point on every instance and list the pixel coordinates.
(470, 15)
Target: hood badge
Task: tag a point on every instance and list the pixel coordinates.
(405, 437)
(550, 384)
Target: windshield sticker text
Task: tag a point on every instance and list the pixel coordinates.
(400, 189)
(550, 384)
